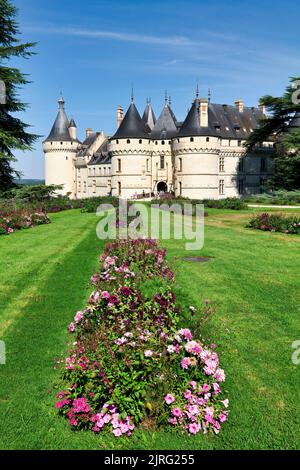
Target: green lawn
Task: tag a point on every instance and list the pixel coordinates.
(253, 279)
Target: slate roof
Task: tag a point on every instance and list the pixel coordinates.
(223, 120)
(132, 125)
(60, 128)
(101, 156)
(72, 123)
(166, 125)
(149, 118)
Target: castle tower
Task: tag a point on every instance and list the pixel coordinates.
(130, 149)
(60, 149)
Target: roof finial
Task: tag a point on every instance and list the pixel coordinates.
(197, 89)
(132, 94)
(209, 95)
(170, 101)
(166, 97)
(61, 100)
(149, 99)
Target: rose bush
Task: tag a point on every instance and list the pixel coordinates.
(17, 219)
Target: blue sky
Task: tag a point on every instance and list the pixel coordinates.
(93, 50)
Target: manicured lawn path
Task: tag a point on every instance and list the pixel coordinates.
(253, 280)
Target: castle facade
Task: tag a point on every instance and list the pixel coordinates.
(202, 157)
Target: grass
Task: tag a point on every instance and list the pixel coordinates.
(253, 280)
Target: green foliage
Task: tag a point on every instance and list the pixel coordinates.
(38, 193)
(276, 223)
(281, 197)
(280, 111)
(13, 132)
(226, 203)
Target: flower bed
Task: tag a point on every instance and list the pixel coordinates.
(130, 361)
(17, 219)
(276, 223)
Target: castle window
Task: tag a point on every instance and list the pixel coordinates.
(162, 162)
(117, 141)
(84, 187)
(128, 141)
(119, 188)
(61, 143)
(147, 164)
(180, 164)
(67, 158)
(104, 171)
(207, 139)
(191, 139)
(162, 142)
(169, 142)
(221, 164)
(94, 186)
(221, 187)
(239, 143)
(94, 169)
(178, 140)
(180, 188)
(119, 164)
(51, 143)
(263, 165)
(156, 142)
(140, 141)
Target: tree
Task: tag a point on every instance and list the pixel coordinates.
(13, 132)
(281, 111)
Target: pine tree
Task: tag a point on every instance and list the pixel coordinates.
(13, 132)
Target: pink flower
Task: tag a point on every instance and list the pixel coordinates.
(105, 294)
(185, 362)
(10, 230)
(169, 399)
(194, 428)
(220, 375)
(193, 384)
(171, 349)
(188, 394)
(71, 328)
(205, 388)
(148, 353)
(78, 317)
(225, 403)
(216, 387)
(80, 405)
(186, 333)
(222, 417)
(176, 412)
(117, 432)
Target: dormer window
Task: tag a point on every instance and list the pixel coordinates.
(218, 128)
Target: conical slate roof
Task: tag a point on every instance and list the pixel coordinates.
(149, 118)
(60, 129)
(131, 126)
(72, 123)
(165, 126)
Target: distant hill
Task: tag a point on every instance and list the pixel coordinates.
(29, 182)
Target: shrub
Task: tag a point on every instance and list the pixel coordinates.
(275, 223)
(227, 203)
(13, 219)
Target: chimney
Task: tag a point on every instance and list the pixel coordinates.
(120, 115)
(203, 112)
(262, 108)
(240, 105)
(89, 132)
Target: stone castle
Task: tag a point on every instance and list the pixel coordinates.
(202, 157)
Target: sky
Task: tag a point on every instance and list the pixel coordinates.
(94, 51)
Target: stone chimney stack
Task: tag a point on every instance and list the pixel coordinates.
(240, 105)
(89, 132)
(120, 115)
(203, 112)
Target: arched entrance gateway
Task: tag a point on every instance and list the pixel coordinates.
(162, 187)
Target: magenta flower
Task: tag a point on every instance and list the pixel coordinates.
(80, 405)
(188, 394)
(78, 317)
(194, 428)
(105, 294)
(71, 327)
(222, 417)
(185, 363)
(177, 412)
(169, 399)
